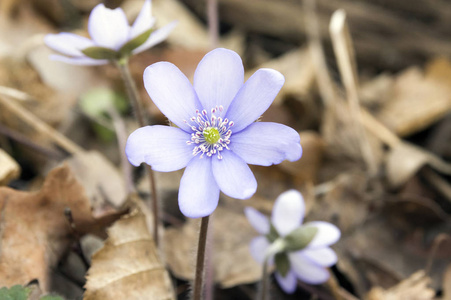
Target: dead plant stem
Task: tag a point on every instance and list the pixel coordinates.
(20, 138)
(40, 126)
(344, 52)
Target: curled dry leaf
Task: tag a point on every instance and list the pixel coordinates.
(405, 160)
(34, 230)
(232, 261)
(128, 265)
(414, 287)
(9, 168)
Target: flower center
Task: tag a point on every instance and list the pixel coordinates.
(211, 134)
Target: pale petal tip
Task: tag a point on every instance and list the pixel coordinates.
(196, 212)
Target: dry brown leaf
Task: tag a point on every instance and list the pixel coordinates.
(344, 201)
(297, 68)
(9, 168)
(128, 265)
(419, 99)
(343, 140)
(404, 160)
(232, 261)
(102, 181)
(381, 253)
(447, 284)
(413, 288)
(34, 230)
(312, 153)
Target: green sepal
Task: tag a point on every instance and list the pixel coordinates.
(101, 53)
(282, 263)
(16, 292)
(272, 235)
(131, 45)
(299, 238)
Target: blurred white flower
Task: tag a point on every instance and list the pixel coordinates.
(308, 264)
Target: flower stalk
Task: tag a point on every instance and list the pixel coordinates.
(133, 95)
(277, 246)
(199, 276)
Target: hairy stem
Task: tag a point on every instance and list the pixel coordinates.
(199, 276)
(132, 91)
(133, 95)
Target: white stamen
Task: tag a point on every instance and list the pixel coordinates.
(202, 124)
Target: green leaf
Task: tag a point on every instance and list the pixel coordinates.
(16, 292)
(131, 45)
(50, 297)
(101, 53)
(97, 101)
(299, 238)
(272, 235)
(105, 134)
(282, 263)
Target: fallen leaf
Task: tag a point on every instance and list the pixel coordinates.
(419, 98)
(414, 287)
(232, 261)
(101, 180)
(128, 265)
(404, 160)
(34, 230)
(9, 168)
(383, 253)
(297, 68)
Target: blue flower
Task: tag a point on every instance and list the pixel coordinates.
(109, 29)
(308, 264)
(216, 135)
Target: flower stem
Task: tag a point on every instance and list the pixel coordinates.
(133, 96)
(276, 247)
(132, 91)
(199, 276)
(263, 293)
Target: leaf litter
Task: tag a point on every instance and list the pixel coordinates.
(390, 222)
